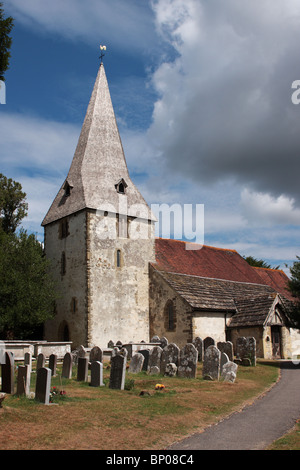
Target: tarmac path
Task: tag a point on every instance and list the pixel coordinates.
(257, 425)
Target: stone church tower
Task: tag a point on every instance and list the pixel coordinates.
(99, 237)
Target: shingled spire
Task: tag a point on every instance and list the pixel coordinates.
(98, 177)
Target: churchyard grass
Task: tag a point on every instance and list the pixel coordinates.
(139, 417)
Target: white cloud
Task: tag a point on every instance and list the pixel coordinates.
(264, 210)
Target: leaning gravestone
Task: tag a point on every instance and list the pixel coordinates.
(82, 369)
(246, 349)
(67, 366)
(211, 363)
(96, 354)
(118, 369)
(155, 358)
(43, 384)
(229, 371)
(97, 374)
(227, 348)
(136, 363)
(23, 380)
(8, 373)
(198, 343)
(223, 361)
(188, 361)
(169, 355)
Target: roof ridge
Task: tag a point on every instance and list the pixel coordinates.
(269, 269)
(194, 243)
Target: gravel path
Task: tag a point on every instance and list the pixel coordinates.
(257, 425)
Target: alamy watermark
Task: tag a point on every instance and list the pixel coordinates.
(178, 221)
(296, 94)
(2, 92)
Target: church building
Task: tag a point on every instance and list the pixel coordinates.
(118, 282)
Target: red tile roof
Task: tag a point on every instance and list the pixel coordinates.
(275, 278)
(217, 263)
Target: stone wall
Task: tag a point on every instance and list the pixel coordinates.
(72, 284)
(160, 294)
(209, 324)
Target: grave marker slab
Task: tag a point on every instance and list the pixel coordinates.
(169, 355)
(67, 366)
(8, 373)
(188, 361)
(97, 374)
(155, 358)
(82, 369)
(136, 363)
(118, 370)
(211, 363)
(23, 380)
(53, 364)
(43, 384)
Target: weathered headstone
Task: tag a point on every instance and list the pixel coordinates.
(227, 348)
(155, 339)
(53, 364)
(224, 359)
(163, 342)
(96, 354)
(136, 363)
(155, 358)
(67, 366)
(229, 372)
(8, 373)
(169, 355)
(154, 370)
(43, 384)
(40, 361)
(211, 363)
(28, 360)
(118, 369)
(146, 354)
(82, 369)
(198, 343)
(170, 370)
(110, 344)
(188, 361)
(97, 374)
(208, 341)
(23, 380)
(246, 349)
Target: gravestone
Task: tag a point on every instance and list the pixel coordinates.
(155, 339)
(8, 373)
(96, 354)
(82, 369)
(136, 363)
(146, 354)
(28, 360)
(188, 361)
(169, 355)
(43, 384)
(67, 366)
(154, 370)
(198, 343)
(211, 363)
(53, 364)
(23, 380)
(97, 374)
(224, 359)
(246, 349)
(208, 341)
(118, 370)
(110, 344)
(163, 342)
(229, 371)
(227, 348)
(155, 358)
(170, 370)
(40, 362)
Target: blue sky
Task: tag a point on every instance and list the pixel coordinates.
(202, 95)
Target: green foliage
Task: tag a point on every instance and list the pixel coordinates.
(13, 207)
(27, 292)
(258, 263)
(294, 287)
(6, 25)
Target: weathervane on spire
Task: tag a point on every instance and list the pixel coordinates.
(102, 49)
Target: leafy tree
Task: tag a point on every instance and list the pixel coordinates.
(258, 263)
(27, 292)
(13, 207)
(6, 25)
